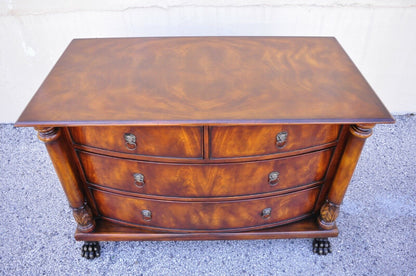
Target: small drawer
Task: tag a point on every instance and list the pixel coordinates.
(165, 141)
(241, 141)
(228, 215)
(205, 180)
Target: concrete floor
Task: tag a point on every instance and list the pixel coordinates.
(377, 222)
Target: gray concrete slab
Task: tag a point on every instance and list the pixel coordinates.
(377, 222)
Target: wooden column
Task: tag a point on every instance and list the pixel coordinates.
(62, 159)
(330, 209)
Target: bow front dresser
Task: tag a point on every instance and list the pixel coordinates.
(189, 138)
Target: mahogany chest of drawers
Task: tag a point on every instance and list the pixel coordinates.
(204, 137)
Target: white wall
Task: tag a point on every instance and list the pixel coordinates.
(380, 36)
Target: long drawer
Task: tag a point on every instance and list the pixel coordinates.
(205, 180)
(222, 216)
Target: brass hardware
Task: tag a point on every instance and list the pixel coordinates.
(266, 213)
(281, 139)
(274, 178)
(147, 215)
(130, 141)
(138, 180)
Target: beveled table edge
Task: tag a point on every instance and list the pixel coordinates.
(386, 120)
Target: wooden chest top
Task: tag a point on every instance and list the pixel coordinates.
(204, 80)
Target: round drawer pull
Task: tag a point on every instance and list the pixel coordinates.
(281, 139)
(266, 213)
(138, 180)
(130, 141)
(274, 178)
(147, 215)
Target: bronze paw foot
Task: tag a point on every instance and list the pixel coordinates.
(90, 250)
(321, 246)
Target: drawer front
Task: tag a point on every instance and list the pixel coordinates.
(166, 141)
(240, 141)
(176, 215)
(205, 180)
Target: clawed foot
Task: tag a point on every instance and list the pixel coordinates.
(90, 250)
(321, 246)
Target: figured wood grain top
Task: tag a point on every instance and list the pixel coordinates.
(204, 80)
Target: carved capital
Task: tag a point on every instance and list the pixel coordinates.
(328, 215)
(362, 130)
(84, 218)
(48, 134)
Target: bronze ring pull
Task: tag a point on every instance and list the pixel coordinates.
(274, 178)
(266, 213)
(138, 180)
(130, 141)
(147, 215)
(281, 139)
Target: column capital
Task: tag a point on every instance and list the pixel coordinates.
(48, 134)
(362, 130)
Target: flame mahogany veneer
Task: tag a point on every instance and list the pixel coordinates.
(187, 138)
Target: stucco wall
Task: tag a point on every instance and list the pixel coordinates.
(380, 36)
